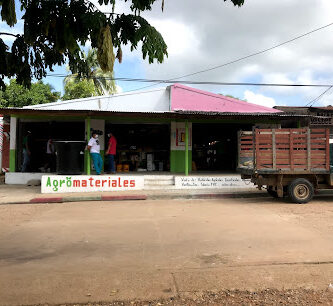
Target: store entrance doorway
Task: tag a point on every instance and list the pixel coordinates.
(40, 132)
(141, 147)
(215, 146)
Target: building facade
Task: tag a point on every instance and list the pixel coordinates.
(177, 129)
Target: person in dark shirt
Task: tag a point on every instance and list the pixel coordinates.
(26, 152)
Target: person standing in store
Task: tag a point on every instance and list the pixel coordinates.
(26, 152)
(94, 149)
(111, 152)
(50, 156)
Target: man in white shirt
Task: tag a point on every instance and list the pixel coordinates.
(94, 148)
(50, 157)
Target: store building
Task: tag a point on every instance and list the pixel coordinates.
(317, 116)
(177, 129)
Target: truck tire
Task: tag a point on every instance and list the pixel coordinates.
(272, 192)
(300, 191)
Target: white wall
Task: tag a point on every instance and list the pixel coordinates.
(18, 178)
(177, 128)
(156, 100)
(13, 127)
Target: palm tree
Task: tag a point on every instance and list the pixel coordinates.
(103, 81)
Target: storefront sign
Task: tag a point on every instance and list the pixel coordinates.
(86, 183)
(321, 121)
(178, 136)
(204, 182)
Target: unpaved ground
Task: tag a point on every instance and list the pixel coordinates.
(167, 252)
(236, 297)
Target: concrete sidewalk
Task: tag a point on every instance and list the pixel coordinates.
(20, 194)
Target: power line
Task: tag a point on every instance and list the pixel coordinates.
(319, 97)
(198, 82)
(330, 86)
(246, 57)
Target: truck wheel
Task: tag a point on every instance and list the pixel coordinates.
(272, 192)
(300, 191)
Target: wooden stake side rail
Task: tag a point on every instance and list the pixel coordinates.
(294, 150)
(245, 149)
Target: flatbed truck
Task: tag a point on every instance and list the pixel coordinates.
(292, 163)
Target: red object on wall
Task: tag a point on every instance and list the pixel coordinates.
(5, 147)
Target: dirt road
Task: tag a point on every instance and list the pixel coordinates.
(99, 251)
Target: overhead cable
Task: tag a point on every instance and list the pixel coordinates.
(319, 97)
(196, 82)
(247, 56)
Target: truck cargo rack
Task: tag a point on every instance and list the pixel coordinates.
(284, 151)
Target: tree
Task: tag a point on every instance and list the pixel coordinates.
(16, 95)
(79, 89)
(103, 82)
(55, 31)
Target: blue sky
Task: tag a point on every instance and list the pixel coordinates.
(202, 34)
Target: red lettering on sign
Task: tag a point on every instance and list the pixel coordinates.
(125, 183)
(76, 183)
(84, 183)
(132, 183)
(114, 183)
(98, 183)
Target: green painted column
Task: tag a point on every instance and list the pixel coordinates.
(186, 148)
(299, 123)
(88, 166)
(12, 160)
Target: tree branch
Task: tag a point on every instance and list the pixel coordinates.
(97, 9)
(10, 34)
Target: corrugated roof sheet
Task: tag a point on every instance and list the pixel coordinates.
(141, 101)
(149, 115)
(280, 114)
(175, 98)
(191, 99)
(327, 108)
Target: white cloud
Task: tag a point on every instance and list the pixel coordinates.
(204, 34)
(179, 37)
(259, 99)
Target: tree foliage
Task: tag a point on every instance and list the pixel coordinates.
(55, 31)
(16, 95)
(103, 82)
(79, 89)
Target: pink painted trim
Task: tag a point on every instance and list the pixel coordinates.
(184, 98)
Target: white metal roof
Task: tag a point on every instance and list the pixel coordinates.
(154, 100)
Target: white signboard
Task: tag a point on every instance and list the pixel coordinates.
(87, 183)
(178, 136)
(217, 182)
